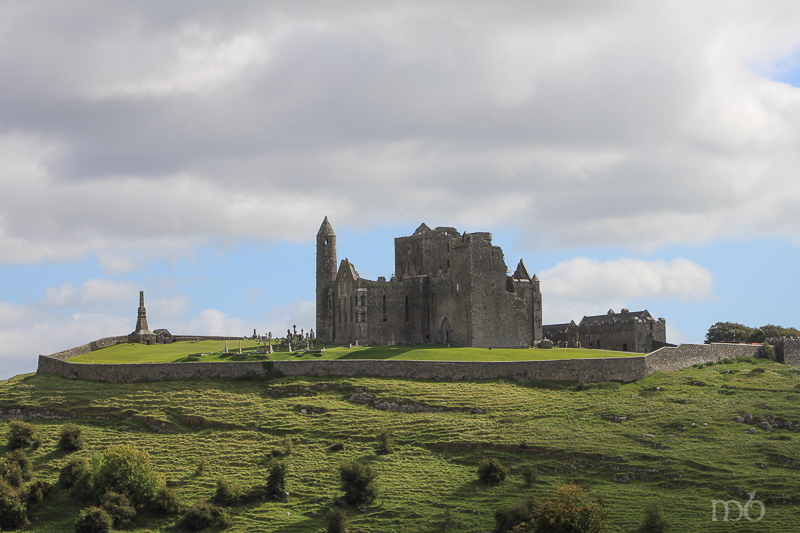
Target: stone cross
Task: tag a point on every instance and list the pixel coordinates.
(302, 335)
(288, 334)
(295, 330)
(312, 334)
(270, 343)
(240, 346)
(226, 346)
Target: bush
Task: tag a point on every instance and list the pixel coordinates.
(528, 475)
(336, 521)
(37, 491)
(276, 479)
(118, 507)
(201, 467)
(83, 489)
(71, 439)
(127, 470)
(492, 471)
(167, 501)
(506, 518)
(73, 470)
(11, 473)
(93, 520)
(337, 446)
(385, 442)
(226, 493)
(766, 352)
(654, 519)
(567, 512)
(358, 483)
(13, 513)
(22, 435)
(202, 515)
(20, 458)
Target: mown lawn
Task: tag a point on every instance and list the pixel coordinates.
(679, 445)
(214, 351)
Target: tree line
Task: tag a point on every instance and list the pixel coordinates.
(733, 332)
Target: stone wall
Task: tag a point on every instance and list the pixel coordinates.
(788, 351)
(587, 370)
(674, 358)
(110, 341)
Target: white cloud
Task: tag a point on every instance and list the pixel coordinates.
(585, 287)
(590, 280)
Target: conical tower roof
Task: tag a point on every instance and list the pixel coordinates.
(325, 228)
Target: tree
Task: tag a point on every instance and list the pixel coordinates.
(276, 479)
(654, 519)
(567, 512)
(385, 442)
(492, 471)
(358, 483)
(21, 435)
(729, 332)
(71, 438)
(127, 470)
(772, 332)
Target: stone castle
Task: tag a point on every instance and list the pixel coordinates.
(447, 287)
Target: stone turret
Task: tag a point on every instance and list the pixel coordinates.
(326, 274)
(142, 333)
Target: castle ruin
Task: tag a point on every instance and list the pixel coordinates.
(447, 288)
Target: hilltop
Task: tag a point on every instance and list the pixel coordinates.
(679, 443)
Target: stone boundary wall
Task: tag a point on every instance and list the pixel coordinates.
(586, 370)
(671, 359)
(109, 341)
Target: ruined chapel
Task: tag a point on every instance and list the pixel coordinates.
(447, 287)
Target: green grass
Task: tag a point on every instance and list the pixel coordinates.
(560, 431)
(213, 351)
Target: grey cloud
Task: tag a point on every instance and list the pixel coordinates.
(176, 122)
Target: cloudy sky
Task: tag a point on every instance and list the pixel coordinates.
(635, 154)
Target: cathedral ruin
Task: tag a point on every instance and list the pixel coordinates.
(447, 287)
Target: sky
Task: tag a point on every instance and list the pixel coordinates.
(635, 154)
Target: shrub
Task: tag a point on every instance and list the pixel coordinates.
(492, 471)
(766, 352)
(202, 515)
(226, 493)
(22, 435)
(506, 518)
(287, 445)
(118, 507)
(567, 512)
(11, 473)
(13, 513)
(71, 439)
(127, 470)
(37, 491)
(654, 519)
(20, 458)
(358, 483)
(73, 470)
(201, 467)
(83, 489)
(337, 446)
(336, 521)
(385, 442)
(94, 520)
(167, 501)
(276, 479)
(528, 475)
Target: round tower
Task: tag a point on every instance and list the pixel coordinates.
(326, 274)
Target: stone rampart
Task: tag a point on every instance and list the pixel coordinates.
(586, 370)
(110, 341)
(788, 351)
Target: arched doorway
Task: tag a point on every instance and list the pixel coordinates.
(446, 332)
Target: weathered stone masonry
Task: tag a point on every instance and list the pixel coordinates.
(587, 370)
(447, 287)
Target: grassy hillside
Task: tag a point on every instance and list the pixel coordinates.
(663, 451)
(213, 351)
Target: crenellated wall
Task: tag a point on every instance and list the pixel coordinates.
(586, 370)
